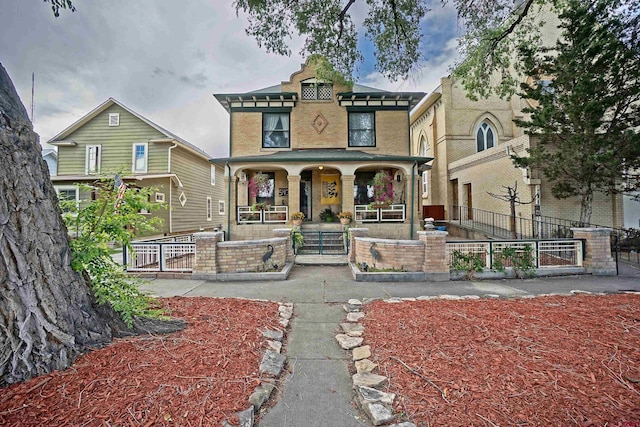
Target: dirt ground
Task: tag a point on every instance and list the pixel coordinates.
(196, 377)
(548, 361)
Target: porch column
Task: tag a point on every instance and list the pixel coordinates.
(294, 193)
(233, 196)
(347, 193)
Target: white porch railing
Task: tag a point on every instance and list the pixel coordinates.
(271, 215)
(174, 253)
(391, 213)
(546, 253)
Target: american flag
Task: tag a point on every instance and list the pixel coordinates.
(119, 187)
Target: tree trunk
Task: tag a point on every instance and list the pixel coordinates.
(48, 315)
(586, 207)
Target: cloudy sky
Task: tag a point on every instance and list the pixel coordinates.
(164, 59)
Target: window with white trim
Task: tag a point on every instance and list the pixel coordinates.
(140, 156)
(221, 207)
(213, 174)
(159, 197)
(485, 137)
(209, 208)
(92, 159)
(67, 193)
(425, 183)
(114, 119)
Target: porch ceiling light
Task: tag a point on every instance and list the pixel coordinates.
(320, 167)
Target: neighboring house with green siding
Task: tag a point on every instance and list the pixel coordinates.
(113, 137)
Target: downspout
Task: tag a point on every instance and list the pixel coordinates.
(228, 202)
(409, 133)
(413, 196)
(170, 192)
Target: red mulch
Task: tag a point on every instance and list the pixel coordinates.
(195, 377)
(548, 361)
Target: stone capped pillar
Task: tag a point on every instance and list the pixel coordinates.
(205, 263)
(355, 232)
(286, 233)
(294, 193)
(347, 193)
(435, 265)
(597, 258)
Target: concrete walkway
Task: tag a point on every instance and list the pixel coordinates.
(317, 390)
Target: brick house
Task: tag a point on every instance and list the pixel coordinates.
(318, 145)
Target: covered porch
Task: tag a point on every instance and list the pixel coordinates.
(264, 191)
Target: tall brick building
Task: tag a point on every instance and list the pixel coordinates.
(316, 145)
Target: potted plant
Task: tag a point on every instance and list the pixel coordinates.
(382, 190)
(258, 207)
(345, 217)
(297, 218)
(297, 240)
(327, 215)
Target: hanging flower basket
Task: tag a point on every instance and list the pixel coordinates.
(258, 184)
(382, 190)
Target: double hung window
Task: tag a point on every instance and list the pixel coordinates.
(275, 130)
(362, 131)
(140, 156)
(92, 159)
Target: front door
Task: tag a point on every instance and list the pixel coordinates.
(305, 194)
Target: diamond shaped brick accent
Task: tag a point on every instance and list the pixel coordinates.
(319, 123)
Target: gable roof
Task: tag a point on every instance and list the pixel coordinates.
(112, 101)
(49, 152)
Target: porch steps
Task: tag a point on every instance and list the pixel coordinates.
(322, 242)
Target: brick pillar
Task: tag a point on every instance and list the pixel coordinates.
(347, 193)
(355, 232)
(206, 265)
(294, 193)
(435, 264)
(286, 233)
(238, 196)
(597, 258)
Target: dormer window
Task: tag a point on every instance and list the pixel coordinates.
(313, 90)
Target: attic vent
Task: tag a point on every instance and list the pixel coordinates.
(114, 119)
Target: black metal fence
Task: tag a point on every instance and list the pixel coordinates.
(625, 243)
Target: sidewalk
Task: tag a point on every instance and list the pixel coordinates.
(317, 391)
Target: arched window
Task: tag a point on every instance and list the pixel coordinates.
(423, 147)
(485, 137)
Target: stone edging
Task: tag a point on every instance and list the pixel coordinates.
(271, 366)
(376, 404)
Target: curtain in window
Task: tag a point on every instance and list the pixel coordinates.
(276, 130)
(361, 132)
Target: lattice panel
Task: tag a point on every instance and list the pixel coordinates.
(308, 92)
(325, 92)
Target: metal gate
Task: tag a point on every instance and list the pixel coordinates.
(324, 243)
